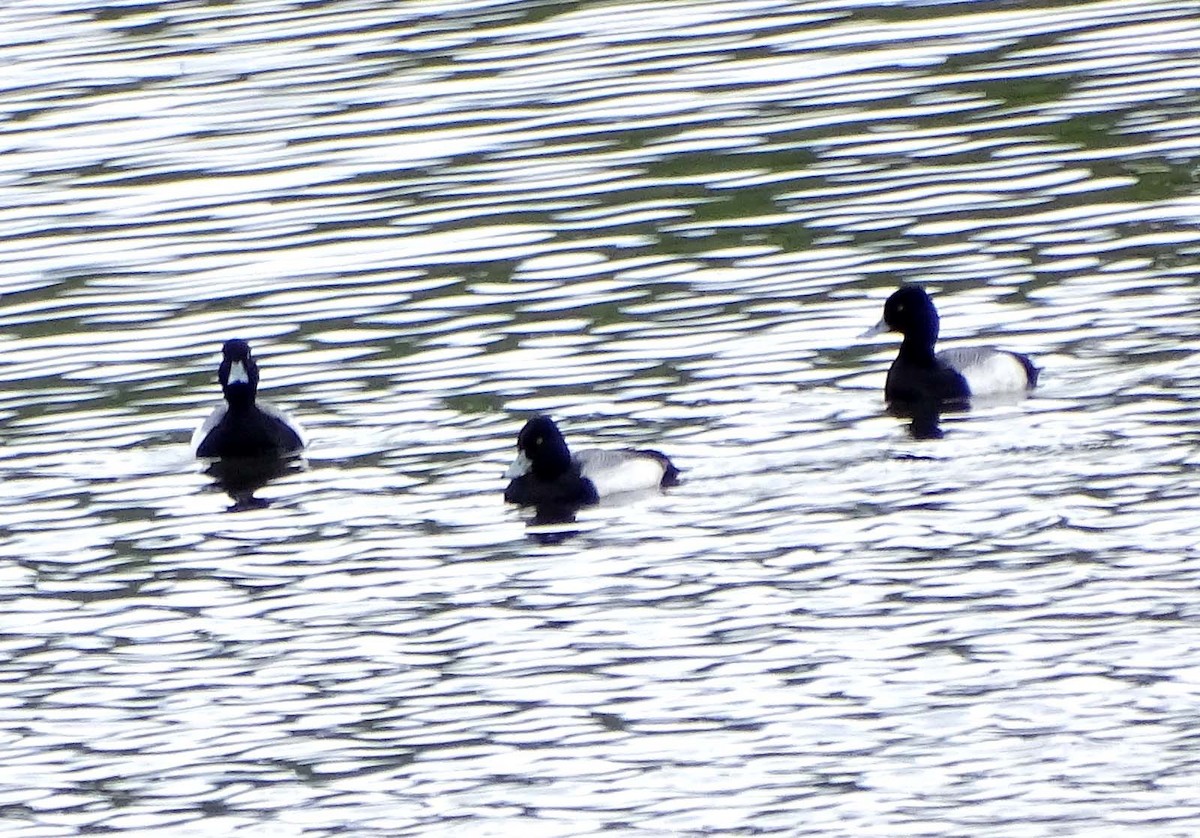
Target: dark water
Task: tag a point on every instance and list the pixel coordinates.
(667, 224)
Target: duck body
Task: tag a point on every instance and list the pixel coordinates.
(546, 473)
(954, 376)
(244, 427)
(262, 430)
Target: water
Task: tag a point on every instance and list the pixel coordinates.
(666, 224)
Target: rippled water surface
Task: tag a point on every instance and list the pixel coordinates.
(667, 223)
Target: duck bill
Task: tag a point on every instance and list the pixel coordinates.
(878, 329)
(519, 468)
(238, 374)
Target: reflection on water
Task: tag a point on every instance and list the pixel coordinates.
(925, 416)
(553, 523)
(665, 226)
(242, 478)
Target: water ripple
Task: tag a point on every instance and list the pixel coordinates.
(433, 220)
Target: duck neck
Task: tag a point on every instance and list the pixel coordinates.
(920, 338)
(239, 397)
(918, 349)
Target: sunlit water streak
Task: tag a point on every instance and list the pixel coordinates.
(666, 224)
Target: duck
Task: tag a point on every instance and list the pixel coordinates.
(953, 376)
(244, 427)
(545, 472)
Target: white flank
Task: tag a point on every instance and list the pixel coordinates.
(211, 422)
(287, 419)
(615, 472)
(989, 372)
